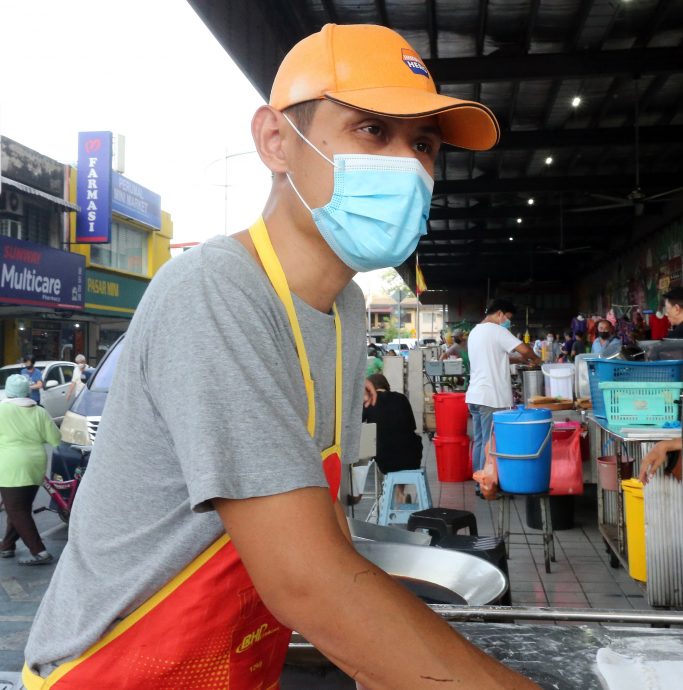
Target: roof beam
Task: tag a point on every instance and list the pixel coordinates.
(481, 212)
(381, 10)
(486, 184)
(331, 11)
(430, 8)
(567, 138)
(530, 24)
(500, 67)
(481, 30)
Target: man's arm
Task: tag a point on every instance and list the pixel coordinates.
(527, 353)
(313, 581)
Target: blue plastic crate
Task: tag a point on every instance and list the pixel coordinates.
(606, 370)
(641, 403)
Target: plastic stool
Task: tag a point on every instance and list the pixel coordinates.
(440, 522)
(546, 523)
(491, 549)
(392, 512)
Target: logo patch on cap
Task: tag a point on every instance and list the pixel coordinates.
(412, 59)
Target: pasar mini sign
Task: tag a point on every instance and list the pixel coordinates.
(93, 188)
(38, 275)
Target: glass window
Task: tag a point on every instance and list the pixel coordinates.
(67, 373)
(37, 225)
(104, 375)
(126, 252)
(53, 374)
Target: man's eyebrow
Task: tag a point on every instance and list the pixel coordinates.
(431, 129)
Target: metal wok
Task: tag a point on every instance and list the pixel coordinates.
(477, 581)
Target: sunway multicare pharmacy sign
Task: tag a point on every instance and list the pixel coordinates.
(93, 188)
(37, 275)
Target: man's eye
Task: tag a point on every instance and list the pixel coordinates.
(424, 147)
(375, 130)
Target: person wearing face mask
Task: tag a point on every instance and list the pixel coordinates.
(550, 348)
(490, 345)
(232, 535)
(77, 377)
(604, 337)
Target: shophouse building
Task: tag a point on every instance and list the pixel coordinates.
(59, 297)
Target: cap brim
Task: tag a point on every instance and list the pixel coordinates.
(466, 124)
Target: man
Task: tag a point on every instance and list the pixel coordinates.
(490, 345)
(578, 347)
(550, 348)
(566, 347)
(34, 376)
(673, 309)
(375, 364)
(251, 447)
(76, 378)
(604, 337)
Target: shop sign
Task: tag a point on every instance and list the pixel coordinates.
(135, 201)
(93, 188)
(41, 276)
(109, 293)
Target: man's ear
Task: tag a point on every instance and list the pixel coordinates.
(267, 128)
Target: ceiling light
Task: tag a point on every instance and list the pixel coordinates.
(549, 160)
(511, 238)
(576, 101)
(530, 201)
(77, 325)
(519, 220)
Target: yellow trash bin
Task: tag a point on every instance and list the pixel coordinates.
(634, 509)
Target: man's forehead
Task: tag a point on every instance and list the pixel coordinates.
(429, 124)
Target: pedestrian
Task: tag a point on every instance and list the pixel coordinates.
(490, 346)
(566, 347)
(579, 346)
(34, 376)
(229, 533)
(77, 377)
(24, 429)
(375, 364)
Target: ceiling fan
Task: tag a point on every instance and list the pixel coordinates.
(561, 250)
(636, 198)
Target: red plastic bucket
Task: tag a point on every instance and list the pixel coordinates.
(451, 414)
(453, 460)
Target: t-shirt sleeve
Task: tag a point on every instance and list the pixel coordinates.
(216, 365)
(506, 340)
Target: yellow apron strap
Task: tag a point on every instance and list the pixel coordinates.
(273, 268)
(338, 382)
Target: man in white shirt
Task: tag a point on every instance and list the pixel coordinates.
(490, 346)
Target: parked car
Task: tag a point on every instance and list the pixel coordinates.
(56, 377)
(82, 420)
(398, 348)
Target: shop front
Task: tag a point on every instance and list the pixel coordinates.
(41, 301)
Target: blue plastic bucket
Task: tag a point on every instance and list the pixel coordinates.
(523, 441)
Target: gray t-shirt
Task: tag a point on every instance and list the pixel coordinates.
(207, 401)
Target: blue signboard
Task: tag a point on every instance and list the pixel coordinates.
(135, 201)
(93, 187)
(38, 275)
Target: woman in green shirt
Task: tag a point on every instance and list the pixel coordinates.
(24, 429)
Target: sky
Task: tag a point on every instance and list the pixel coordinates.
(149, 70)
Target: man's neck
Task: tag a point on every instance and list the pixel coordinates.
(314, 273)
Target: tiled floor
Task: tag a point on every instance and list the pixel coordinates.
(581, 576)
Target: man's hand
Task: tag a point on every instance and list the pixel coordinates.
(527, 353)
(656, 458)
(370, 394)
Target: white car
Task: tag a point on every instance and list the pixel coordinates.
(56, 381)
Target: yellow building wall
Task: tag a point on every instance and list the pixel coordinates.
(158, 247)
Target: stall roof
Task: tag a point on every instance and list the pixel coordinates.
(616, 170)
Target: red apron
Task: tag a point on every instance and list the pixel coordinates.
(206, 629)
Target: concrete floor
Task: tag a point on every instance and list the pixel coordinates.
(581, 577)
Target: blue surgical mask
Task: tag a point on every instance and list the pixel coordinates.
(378, 210)
(506, 324)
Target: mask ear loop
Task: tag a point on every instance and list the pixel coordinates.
(310, 143)
(315, 148)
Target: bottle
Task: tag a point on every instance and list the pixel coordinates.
(527, 336)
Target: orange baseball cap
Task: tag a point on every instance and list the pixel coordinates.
(374, 69)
